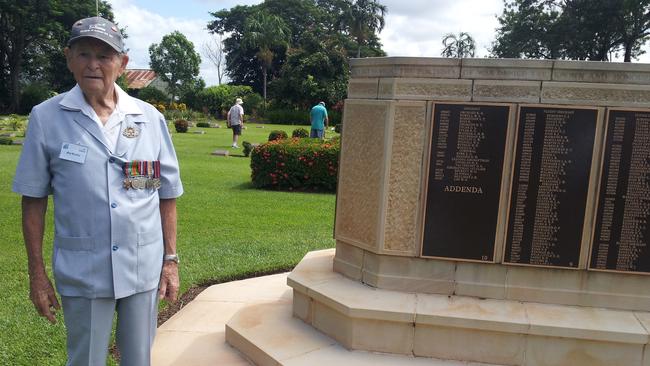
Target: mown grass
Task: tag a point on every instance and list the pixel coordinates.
(226, 230)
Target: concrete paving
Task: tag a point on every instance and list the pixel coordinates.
(196, 334)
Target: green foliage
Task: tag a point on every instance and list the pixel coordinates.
(175, 61)
(265, 32)
(277, 135)
(153, 95)
(338, 128)
(122, 82)
(6, 140)
(300, 133)
(181, 125)
(34, 94)
(219, 99)
(14, 122)
(573, 29)
(32, 34)
(203, 124)
(288, 116)
(247, 148)
(364, 18)
(458, 46)
(323, 34)
(300, 164)
(313, 72)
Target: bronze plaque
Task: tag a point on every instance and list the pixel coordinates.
(548, 198)
(465, 168)
(621, 233)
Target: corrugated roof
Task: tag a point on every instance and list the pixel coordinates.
(139, 78)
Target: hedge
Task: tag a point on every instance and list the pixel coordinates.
(298, 117)
(296, 164)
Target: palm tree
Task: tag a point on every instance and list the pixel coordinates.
(265, 31)
(460, 46)
(364, 18)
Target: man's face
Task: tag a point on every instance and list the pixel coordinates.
(95, 65)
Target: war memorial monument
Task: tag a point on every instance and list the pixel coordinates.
(489, 211)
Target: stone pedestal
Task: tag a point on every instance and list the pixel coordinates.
(378, 293)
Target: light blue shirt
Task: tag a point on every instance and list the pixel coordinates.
(108, 239)
(317, 115)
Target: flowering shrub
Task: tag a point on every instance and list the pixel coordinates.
(300, 132)
(300, 164)
(277, 135)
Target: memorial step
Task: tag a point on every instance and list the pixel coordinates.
(268, 334)
(506, 332)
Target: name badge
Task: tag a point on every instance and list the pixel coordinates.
(72, 152)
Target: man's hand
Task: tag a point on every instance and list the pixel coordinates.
(43, 296)
(169, 283)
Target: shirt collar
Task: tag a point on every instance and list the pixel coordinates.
(75, 100)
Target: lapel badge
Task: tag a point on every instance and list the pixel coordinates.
(131, 132)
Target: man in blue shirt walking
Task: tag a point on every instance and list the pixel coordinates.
(319, 120)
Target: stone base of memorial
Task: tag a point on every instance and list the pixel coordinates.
(491, 211)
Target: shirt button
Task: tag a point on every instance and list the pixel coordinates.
(113, 204)
(115, 248)
(111, 160)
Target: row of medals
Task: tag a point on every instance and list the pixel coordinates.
(141, 182)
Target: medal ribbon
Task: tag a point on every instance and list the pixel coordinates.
(150, 169)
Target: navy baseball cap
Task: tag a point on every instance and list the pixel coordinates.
(99, 28)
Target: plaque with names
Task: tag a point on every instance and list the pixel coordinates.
(466, 161)
(550, 182)
(621, 232)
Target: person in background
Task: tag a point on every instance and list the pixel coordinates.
(319, 120)
(235, 119)
(108, 161)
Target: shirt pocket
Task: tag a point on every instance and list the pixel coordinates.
(150, 253)
(73, 263)
(140, 194)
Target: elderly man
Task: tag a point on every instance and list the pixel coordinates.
(109, 163)
(319, 121)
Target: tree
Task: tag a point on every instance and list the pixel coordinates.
(633, 27)
(213, 50)
(315, 25)
(314, 71)
(33, 34)
(364, 18)
(573, 29)
(264, 31)
(175, 61)
(459, 46)
(528, 29)
(21, 28)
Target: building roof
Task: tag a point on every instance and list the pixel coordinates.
(139, 78)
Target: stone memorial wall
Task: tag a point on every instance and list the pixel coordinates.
(507, 179)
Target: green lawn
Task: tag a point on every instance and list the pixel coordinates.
(226, 230)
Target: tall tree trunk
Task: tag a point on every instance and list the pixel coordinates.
(628, 51)
(16, 68)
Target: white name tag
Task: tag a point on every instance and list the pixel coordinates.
(72, 152)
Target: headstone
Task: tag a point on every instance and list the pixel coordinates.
(221, 153)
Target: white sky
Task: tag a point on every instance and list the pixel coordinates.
(413, 27)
